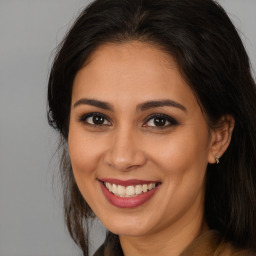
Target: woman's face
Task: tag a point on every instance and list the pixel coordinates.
(136, 127)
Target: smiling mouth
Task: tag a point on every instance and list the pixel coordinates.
(129, 191)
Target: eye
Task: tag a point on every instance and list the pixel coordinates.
(96, 119)
(160, 121)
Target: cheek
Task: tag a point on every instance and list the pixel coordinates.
(182, 161)
(181, 151)
(83, 156)
(83, 149)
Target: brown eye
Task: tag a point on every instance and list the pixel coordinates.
(160, 121)
(98, 120)
(95, 119)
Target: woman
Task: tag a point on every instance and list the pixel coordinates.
(155, 102)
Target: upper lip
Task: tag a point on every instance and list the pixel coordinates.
(125, 183)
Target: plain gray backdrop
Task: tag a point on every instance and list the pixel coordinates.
(31, 222)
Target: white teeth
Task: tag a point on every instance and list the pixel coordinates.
(129, 191)
(138, 189)
(120, 190)
(109, 187)
(144, 188)
(114, 189)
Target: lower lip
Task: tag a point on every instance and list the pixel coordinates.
(127, 202)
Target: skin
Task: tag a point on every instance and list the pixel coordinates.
(128, 145)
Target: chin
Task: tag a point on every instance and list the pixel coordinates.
(127, 226)
(126, 230)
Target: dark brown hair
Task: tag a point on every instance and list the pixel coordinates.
(212, 59)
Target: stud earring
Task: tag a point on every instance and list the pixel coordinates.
(217, 158)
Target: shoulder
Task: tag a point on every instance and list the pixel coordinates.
(211, 243)
(227, 249)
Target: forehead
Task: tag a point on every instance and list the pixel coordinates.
(131, 71)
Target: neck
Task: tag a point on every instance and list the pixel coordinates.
(169, 241)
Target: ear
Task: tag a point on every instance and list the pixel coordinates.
(220, 138)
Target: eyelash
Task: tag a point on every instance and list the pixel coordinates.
(171, 121)
(84, 119)
(166, 118)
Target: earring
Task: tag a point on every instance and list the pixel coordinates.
(217, 158)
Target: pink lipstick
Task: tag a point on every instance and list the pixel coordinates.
(129, 193)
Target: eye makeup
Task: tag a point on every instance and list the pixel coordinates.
(160, 121)
(155, 121)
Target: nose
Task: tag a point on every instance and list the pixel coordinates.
(125, 152)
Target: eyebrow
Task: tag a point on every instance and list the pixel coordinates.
(141, 107)
(160, 103)
(95, 103)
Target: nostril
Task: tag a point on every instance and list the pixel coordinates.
(124, 160)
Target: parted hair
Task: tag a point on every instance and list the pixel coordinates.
(210, 55)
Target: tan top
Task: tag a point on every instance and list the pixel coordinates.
(210, 243)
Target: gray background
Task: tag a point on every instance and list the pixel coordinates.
(31, 222)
